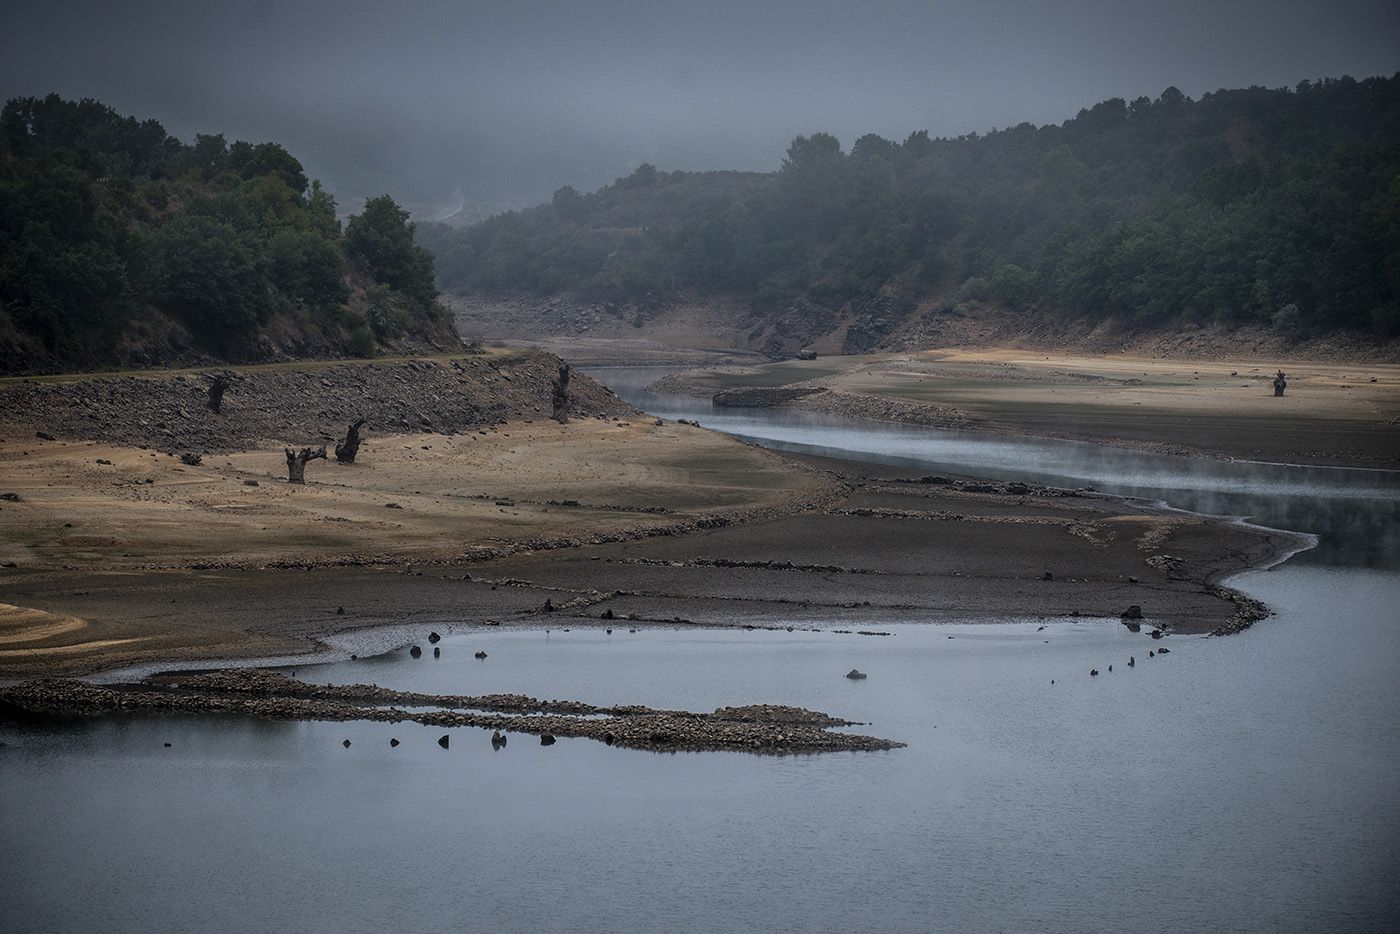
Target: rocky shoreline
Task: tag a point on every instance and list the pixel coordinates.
(308, 404)
(767, 729)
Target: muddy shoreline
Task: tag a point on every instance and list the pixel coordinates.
(764, 729)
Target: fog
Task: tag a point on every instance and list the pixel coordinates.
(498, 104)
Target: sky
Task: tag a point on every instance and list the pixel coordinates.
(506, 101)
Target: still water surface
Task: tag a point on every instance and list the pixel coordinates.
(1235, 784)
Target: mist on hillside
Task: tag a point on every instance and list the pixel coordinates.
(461, 109)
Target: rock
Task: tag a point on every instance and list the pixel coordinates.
(340, 611)
(103, 460)
(43, 436)
(1163, 651)
(250, 483)
(434, 638)
(1047, 576)
(392, 506)
(1157, 633)
(10, 497)
(416, 652)
(497, 740)
(443, 740)
(393, 742)
(1131, 661)
(855, 674)
(346, 744)
(1093, 672)
(1132, 612)
(167, 745)
(191, 459)
(547, 739)
(1132, 580)
(608, 614)
(480, 655)
(437, 651)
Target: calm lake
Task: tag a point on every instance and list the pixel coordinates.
(1244, 783)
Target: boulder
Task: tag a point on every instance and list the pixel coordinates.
(1132, 612)
(444, 740)
(416, 652)
(547, 739)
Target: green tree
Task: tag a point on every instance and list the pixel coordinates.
(380, 239)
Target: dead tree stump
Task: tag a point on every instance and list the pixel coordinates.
(561, 395)
(346, 450)
(1280, 384)
(217, 389)
(296, 463)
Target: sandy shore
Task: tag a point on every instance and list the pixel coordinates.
(115, 554)
(1332, 413)
(746, 539)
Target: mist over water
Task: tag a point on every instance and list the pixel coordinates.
(1233, 783)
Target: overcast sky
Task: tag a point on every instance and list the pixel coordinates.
(510, 100)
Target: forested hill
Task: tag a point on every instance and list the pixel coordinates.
(120, 245)
(1278, 208)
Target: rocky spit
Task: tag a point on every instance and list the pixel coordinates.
(768, 729)
(306, 404)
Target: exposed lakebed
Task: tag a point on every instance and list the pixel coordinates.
(1235, 783)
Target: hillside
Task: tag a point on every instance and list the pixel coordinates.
(120, 245)
(1269, 209)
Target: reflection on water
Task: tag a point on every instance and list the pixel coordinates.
(1234, 784)
(1354, 513)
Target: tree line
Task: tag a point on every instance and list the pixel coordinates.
(1273, 207)
(120, 243)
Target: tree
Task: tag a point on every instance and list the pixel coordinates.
(210, 281)
(380, 239)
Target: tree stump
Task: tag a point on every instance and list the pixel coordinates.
(296, 463)
(1280, 384)
(346, 450)
(217, 389)
(561, 395)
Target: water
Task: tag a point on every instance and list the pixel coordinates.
(1234, 784)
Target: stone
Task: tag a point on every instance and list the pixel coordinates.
(1047, 576)
(498, 739)
(547, 739)
(1132, 612)
(444, 740)
(434, 638)
(393, 742)
(340, 611)
(416, 652)
(855, 674)
(1131, 661)
(1093, 672)
(250, 483)
(437, 651)
(480, 655)
(346, 744)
